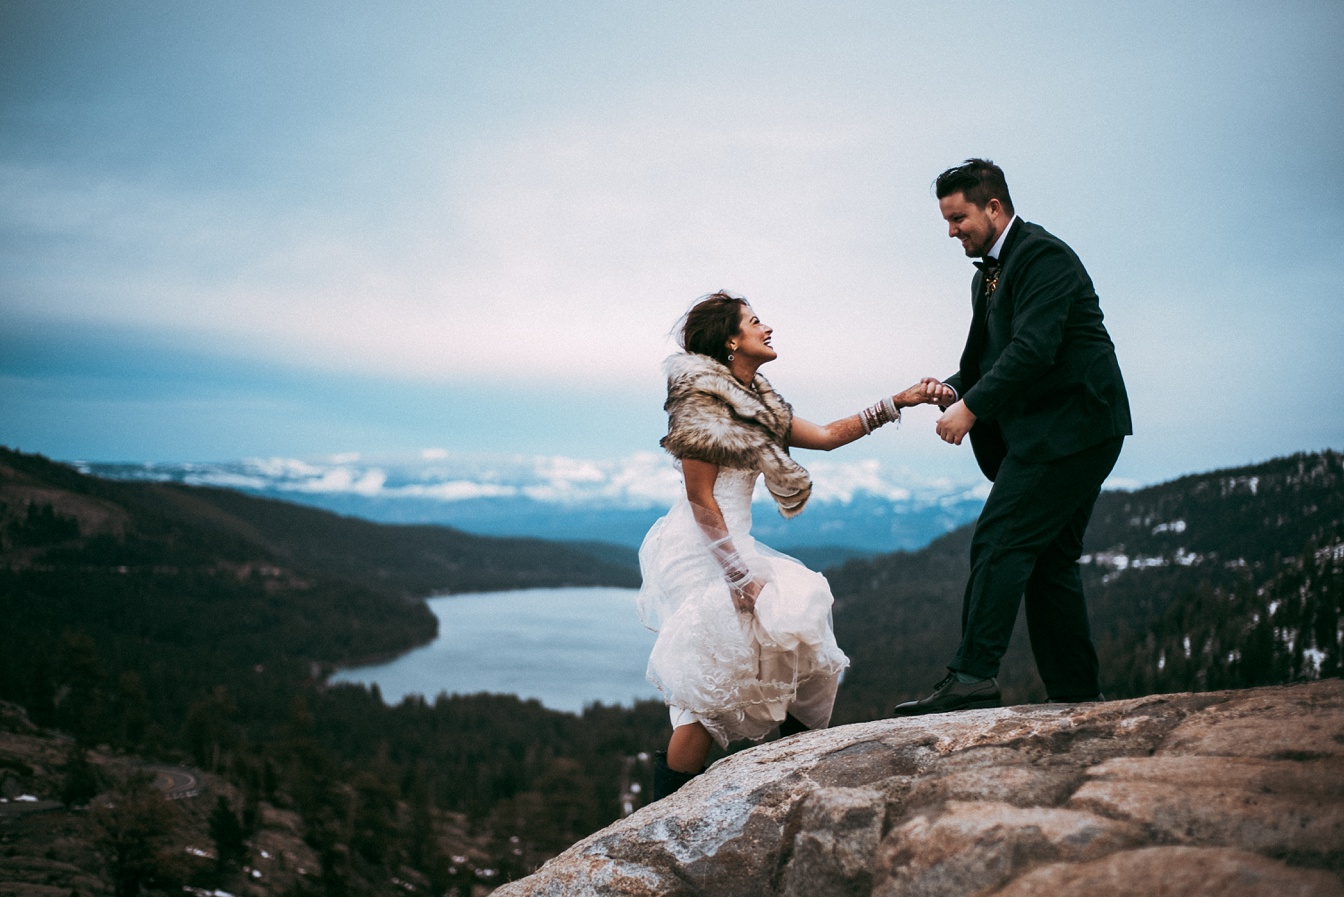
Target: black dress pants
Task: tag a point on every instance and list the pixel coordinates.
(1026, 546)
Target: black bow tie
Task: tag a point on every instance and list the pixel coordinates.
(989, 265)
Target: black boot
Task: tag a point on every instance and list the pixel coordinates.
(666, 779)
(791, 726)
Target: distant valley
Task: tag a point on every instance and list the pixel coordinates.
(193, 624)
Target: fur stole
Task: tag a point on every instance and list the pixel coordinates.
(713, 417)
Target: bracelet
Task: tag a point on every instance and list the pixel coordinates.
(879, 415)
(735, 570)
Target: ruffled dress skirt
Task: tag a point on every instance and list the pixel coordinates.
(738, 674)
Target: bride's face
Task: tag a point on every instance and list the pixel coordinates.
(752, 341)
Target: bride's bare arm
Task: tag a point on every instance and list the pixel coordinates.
(700, 477)
(805, 434)
(743, 585)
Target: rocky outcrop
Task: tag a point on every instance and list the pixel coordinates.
(1192, 794)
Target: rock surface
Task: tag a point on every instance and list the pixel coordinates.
(1238, 792)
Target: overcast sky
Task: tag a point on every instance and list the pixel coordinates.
(242, 229)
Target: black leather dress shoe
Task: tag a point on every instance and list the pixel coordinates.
(950, 695)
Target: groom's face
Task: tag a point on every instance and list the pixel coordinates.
(976, 227)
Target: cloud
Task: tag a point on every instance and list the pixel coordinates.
(570, 245)
(456, 490)
(497, 205)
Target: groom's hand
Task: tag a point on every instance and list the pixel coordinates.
(939, 393)
(955, 423)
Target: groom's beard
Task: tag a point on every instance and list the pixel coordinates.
(979, 248)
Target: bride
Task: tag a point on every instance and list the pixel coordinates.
(744, 643)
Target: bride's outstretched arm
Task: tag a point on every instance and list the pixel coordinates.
(743, 584)
(805, 434)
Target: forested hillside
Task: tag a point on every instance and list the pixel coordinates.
(184, 588)
(197, 625)
(1220, 580)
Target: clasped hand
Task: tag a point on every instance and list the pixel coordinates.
(744, 595)
(927, 391)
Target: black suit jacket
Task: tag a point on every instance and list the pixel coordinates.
(1039, 369)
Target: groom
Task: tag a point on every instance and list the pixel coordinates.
(1040, 393)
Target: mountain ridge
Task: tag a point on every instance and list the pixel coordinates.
(1227, 598)
(857, 507)
(401, 555)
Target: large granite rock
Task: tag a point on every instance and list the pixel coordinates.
(1221, 793)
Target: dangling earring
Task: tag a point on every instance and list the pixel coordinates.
(730, 356)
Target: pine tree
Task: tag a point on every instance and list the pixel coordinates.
(227, 832)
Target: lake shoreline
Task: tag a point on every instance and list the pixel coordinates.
(568, 648)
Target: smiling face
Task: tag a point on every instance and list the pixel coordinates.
(752, 340)
(977, 228)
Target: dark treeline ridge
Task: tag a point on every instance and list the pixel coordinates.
(1228, 579)
(197, 625)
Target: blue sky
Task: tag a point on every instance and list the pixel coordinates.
(304, 229)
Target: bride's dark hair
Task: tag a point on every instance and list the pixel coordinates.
(711, 322)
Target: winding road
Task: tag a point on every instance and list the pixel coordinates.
(175, 782)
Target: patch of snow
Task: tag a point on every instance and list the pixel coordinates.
(1187, 558)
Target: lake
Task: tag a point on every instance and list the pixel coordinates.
(565, 647)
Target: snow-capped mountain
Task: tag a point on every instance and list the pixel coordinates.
(861, 507)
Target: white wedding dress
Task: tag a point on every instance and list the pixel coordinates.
(736, 673)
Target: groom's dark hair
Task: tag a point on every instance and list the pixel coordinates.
(979, 179)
